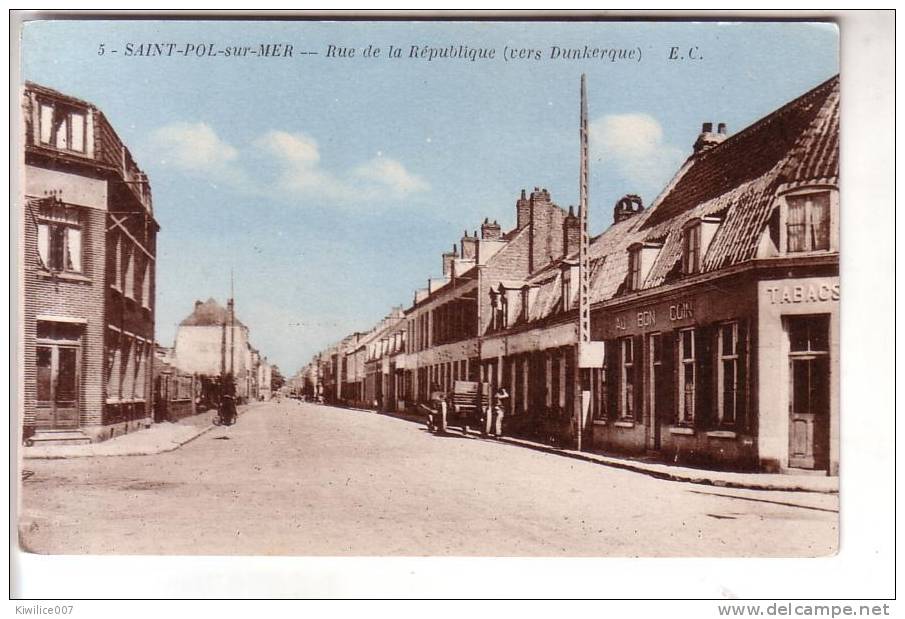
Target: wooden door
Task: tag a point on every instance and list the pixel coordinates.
(809, 393)
(57, 387)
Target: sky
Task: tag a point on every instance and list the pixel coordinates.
(329, 184)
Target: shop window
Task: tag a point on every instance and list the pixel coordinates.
(727, 369)
(627, 402)
(62, 127)
(691, 248)
(601, 384)
(686, 377)
(655, 350)
(808, 222)
(60, 244)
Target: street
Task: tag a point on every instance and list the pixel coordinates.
(293, 478)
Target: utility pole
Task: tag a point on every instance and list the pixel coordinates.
(232, 327)
(584, 355)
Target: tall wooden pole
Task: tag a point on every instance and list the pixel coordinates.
(584, 306)
(232, 328)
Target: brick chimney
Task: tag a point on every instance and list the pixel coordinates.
(491, 231)
(628, 205)
(571, 233)
(708, 139)
(546, 231)
(448, 258)
(469, 245)
(522, 211)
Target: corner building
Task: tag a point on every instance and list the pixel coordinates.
(88, 268)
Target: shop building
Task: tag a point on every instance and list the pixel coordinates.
(714, 310)
(717, 307)
(88, 268)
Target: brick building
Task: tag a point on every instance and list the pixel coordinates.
(88, 268)
(716, 306)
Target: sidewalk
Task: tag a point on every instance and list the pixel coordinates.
(724, 479)
(159, 438)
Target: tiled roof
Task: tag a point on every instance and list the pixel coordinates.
(795, 145)
(753, 153)
(208, 314)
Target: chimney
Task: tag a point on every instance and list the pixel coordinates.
(571, 233)
(491, 231)
(545, 233)
(448, 258)
(522, 211)
(469, 245)
(628, 205)
(708, 139)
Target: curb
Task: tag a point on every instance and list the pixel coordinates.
(628, 465)
(790, 486)
(150, 452)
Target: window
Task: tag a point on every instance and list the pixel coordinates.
(60, 242)
(504, 313)
(567, 289)
(602, 401)
(691, 249)
(655, 350)
(146, 286)
(128, 274)
(634, 269)
(628, 379)
(62, 127)
(526, 299)
(686, 377)
(808, 222)
(728, 373)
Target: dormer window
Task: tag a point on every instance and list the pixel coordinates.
(691, 248)
(807, 222)
(697, 235)
(566, 289)
(634, 268)
(641, 258)
(62, 127)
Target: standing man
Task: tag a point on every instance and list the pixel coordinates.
(499, 408)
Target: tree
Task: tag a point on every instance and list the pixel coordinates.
(276, 379)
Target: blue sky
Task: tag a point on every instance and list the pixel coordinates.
(331, 185)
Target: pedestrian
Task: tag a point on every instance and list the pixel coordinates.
(499, 407)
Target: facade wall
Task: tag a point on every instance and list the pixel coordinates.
(778, 301)
(74, 196)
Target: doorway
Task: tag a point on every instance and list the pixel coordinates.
(57, 387)
(809, 391)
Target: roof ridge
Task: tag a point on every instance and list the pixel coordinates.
(772, 116)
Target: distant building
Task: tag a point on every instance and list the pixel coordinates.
(89, 264)
(209, 343)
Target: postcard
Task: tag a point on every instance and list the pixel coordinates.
(383, 287)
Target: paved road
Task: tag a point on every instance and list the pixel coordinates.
(303, 479)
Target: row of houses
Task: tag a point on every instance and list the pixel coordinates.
(89, 366)
(717, 306)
